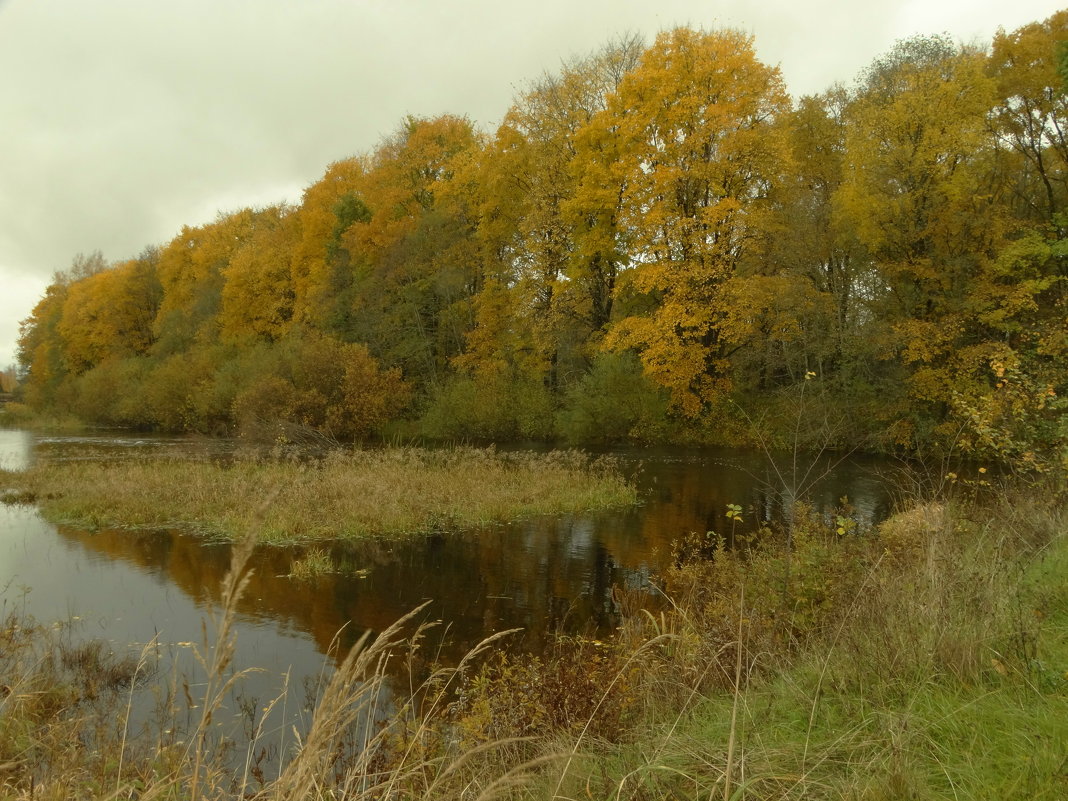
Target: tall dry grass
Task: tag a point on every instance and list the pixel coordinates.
(926, 659)
(390, 492)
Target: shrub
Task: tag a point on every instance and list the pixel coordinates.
(499, 407)
(110, 394)
(615, 401)
(324, 385)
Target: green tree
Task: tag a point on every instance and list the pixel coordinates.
(1028, 120)
(407, 266)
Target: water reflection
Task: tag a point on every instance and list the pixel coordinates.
(95, 447)
(541, 575)
(16, 449)
(119, 587)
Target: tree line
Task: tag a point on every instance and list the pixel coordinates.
(657, 243)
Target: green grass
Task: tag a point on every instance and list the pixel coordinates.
(931, 740)
(314, 563)
(392, 492)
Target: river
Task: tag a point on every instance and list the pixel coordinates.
(544, 575)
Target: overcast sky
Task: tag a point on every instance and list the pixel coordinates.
(122, 120)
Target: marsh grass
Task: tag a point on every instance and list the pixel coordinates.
(924, 659)
(19, 415)
(927, 659)
(59, 741)
(314, 563)
(348, 494)
(61, 699)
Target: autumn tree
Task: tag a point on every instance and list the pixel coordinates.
(1028, 120)
(648, 233)
(320, 269)
(553, 259)
(803, 292)
(191, 271)
(257, 297)
(324, 385)
(40, 346)
(1023, 304)
(9, 379)
(964, 286)
(110, 313)
(699, 155)
(405, 254)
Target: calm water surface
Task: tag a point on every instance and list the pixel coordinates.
(541, 575)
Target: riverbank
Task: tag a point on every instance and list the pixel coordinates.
(393, 492)
(926, 658)
(19, 415)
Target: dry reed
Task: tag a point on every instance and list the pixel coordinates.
(391, 492)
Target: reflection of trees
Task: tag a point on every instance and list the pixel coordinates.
(540, 575)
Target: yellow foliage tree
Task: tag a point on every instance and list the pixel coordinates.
(320, 225)
(257, 294)
(191, 271)
(110, 314)
(914, 191)
(1029, 119)
(532, 222)
(699, 155)
(929, 191)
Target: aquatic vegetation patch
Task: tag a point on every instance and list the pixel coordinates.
(347, 494)
(315, 562)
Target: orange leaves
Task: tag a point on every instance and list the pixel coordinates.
(324, 385)
(369, 397)
(698, 145)
(700, 154)
(317, 222)
(257, 296)
(770, 309)
(666, 202)
(110, 314)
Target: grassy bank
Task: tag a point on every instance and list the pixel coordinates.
(391, 492)
(925, 659)
(19, 415)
